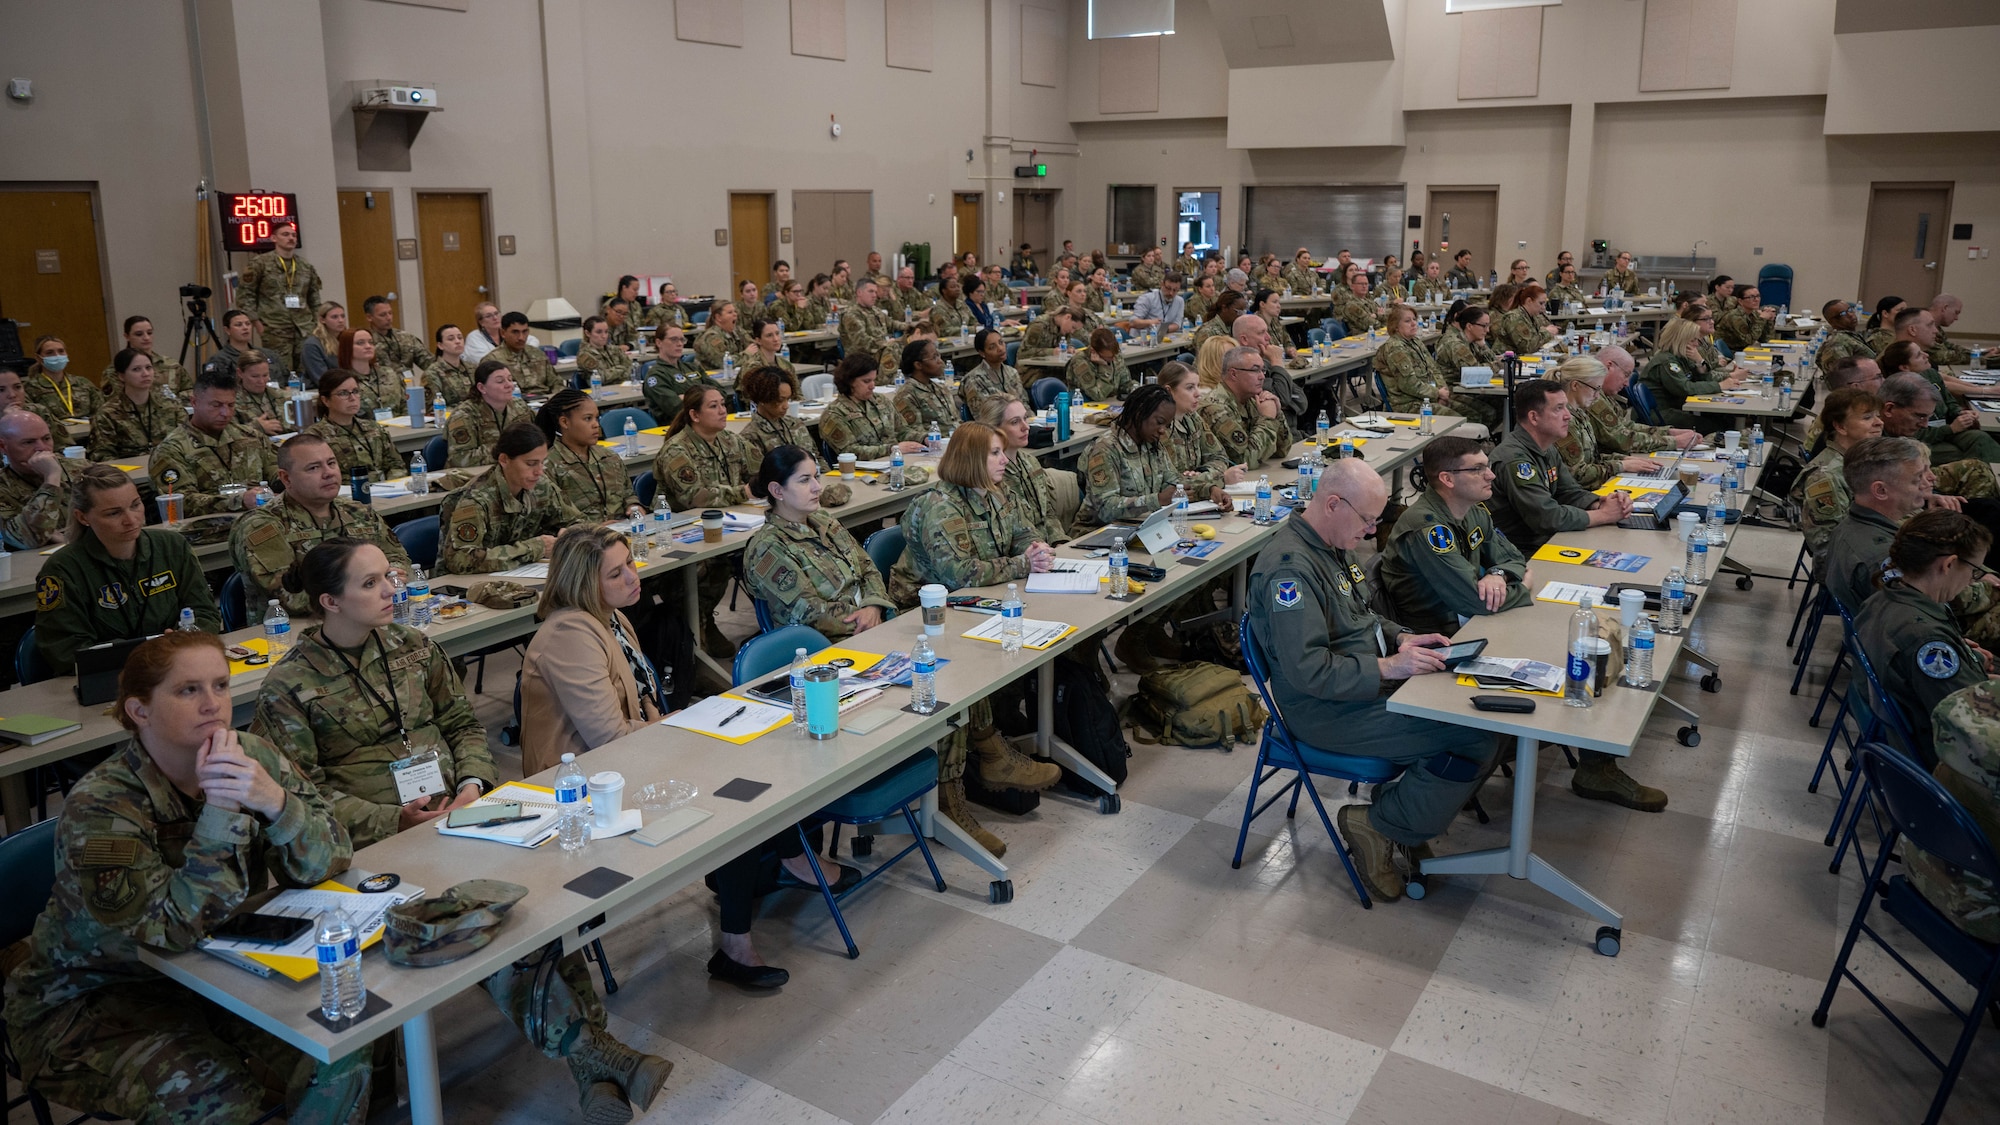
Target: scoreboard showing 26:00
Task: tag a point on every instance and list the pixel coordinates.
(249, 216)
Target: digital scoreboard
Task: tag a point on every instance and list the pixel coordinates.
(248, 218)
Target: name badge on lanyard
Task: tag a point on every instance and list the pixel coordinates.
(292, 301)
(418, 777)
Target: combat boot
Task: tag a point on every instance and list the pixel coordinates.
(953, 804)
(1144, 646)
(598, 1059)
(715, 643)
(1374, 853)
(1598, 778)
(1001, 766)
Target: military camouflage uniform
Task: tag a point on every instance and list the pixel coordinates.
(812, 573)
(1516, 331)
(280, 371)
(33, 513)
(334, 721)
(265, 542)
(1435, 561)
(531, 369)
(85, 597)
(840, 290)
(666, 382)
(1147, 276)
(919, 403)
(1569, 295)
(261, 291)
(609, 361)
(1591, 464)
(866, 332)
(801, 318)
(197, 465)
(865, 429)
(1672, 379)
(1429, 292)
(747, 311)
(763, 435)
(488, 527)
(625, 335)
(1209, 330)
(1041, 339)
(1946, 352)
(1302, 279)
(381, 389)
(1195, 306)
(950, 320)
(448, 379)
(1616, 429)
(711, 344)
(595, 484)
(475, 427)
(1054, 299)
(399, 351)
(120, 429)
(664, 314)
(68, 395)
(1121, 479)
(1740, 328)
(699, 473)
(364, 444)
(985, 381)
(959, 537)
(1840, 345)
(1389, 290)
(1097, 381)
(1948, 445)
(1410, 375)
(1030, 496)
(141, 865)
(1455, 352)
(1357, 313)
(1626, 281)
(1095, 300)
(903, 304)
(1188, 266)
(1966, 734)
(754, 358)
(1823, 499)
(252, 407)
(1192, 447)
(1247, 437)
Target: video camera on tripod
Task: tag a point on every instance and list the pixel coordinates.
(195, 296)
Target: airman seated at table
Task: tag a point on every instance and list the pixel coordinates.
(1333, 662)
(357, 696)
(1099, 372)
(992, 376)
(1852, 416)
(362, 444)
(960, 534)
(1617, 429)
(925, 401)
(259, 405)
(1222, 317)
(1907, 630)
(398, 350)
(210, 450)
(381, 386)
(1583, 379)
(1412, 377)
(673, 374)
(1851, 371)
(1536, 497)
(138, 411)
(1461, 275)
(34, 486)
(1352, 306)
(1043, 498)
(1197, 454)
(51, 385)
(1748, 322)
(1908, 401)
(478, 422)
(772, 424)
(1676, 372)
(509, 517)
(528, 362)
(1252, 332)
(1945, 352)
(1620, 276)
(139, 335)
(589, 477)
(599, 356)
(1446, 562)
(1955, 427)
(1965, 733)
(448, 376)
(858, 420)
(1127, 473)
(864, 326)
(265, 543)
(1201, 298)
(704, 464)
(116, 579)
(1245, 417)
(175, 832)
(805, 566)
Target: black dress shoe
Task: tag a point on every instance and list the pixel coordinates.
(725, 968)
(849, 876)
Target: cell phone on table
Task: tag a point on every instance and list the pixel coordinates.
(1454, 655)
(262, 929)
(478, 816)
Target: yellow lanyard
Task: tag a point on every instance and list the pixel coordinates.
(291, 268)
(62, 389)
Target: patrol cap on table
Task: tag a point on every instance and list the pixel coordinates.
(445, 927)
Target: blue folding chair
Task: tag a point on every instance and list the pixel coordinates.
(1884, 724)
(1923, 814)
(1644, 404)
(700, 317)
(436, 452)
(895, 791)
(763, 614)
(1850, 707)
(29, 665)
(568, 348)
(613, 421)
(1013, 349)
(1316, 335)
(885, 547)
(1280, 749)
(1042, 394)
(419, 538)
(643, 486)
(234, 615)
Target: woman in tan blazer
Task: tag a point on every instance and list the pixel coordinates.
(585, 682)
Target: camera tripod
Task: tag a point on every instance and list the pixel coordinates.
(199, 332)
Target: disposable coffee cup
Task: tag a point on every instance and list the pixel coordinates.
(607, 798)
(795, 409)
(1631, 603)
(1685, 524)
(711, 526)
(847, 464)
(170, 506)
(1690, 477)
(1731, 439)
(1600, 663)
(73, 452)
(931, 598)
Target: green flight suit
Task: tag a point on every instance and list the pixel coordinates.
(1672, 379)
(666, 382)
(1534, 495)
(1436, 560)
(1918, 653)
(84, 597)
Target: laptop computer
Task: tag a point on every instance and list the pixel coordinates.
(1656, 512)
(1154, 535)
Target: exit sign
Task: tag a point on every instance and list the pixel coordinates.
(1030, 171)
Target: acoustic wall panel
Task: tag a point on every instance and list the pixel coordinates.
(1688, 45)
(1500, 53)
(819, 29)
(910, 42)
(709, 21)
(1128, 75)
(1041, 46)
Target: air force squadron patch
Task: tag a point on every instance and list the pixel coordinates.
(1441, 539)
(1524, 469)
(1285, 593)
(1938, 660)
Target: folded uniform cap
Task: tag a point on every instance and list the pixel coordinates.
(498, 594)
(448, 926)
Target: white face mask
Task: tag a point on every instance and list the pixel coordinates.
(54, 364)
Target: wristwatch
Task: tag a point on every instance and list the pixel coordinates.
(1496, 572)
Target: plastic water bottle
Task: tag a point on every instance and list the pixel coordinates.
(342, 995)
(420, 599)
(923, 677)
(1424, 416)
(1011, 621)
(187, 622)
(800, 662)
(1120, 568)
(1718, 514)
(662, 516)
(950, 373)
(728, 368)
(1731, 485)
(295, 383)
(1673, 601)
(1181, 527)
(572, 791)
(1062, 347)
(277, 632)
(631, 436)
(399, 599)
(1322, 429)
(641, 544)
(1346, 448)
(1785, 398)
(899, 377)
(1757, 444)
(1582, 655)
(785, 351)
(896, 468)
(1263, 511)
(596, 384)
(1639, 653)
(440, 414)
(1697, 557)
(1770, 382)
(420, 474)
(934, 441)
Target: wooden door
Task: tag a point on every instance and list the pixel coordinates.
(1035, 224)
(1903, 248)
(965, 228)
(451, 247)
(750, 238)
(1467, 218)
(52, 282)
(368, 244)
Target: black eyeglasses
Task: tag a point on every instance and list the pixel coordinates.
(1366, 521)
(1468, 469)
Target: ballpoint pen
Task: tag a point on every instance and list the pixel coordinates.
(732, 716)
